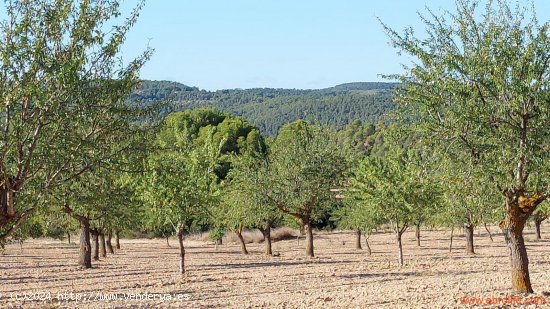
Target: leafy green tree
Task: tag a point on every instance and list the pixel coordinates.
(469, 198)
(480, 85)
(179, 185)
(392, 188)
(247, 202)
(358, 216)
(63, 92)
(306, 162)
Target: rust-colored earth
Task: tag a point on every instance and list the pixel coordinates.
(339, 277)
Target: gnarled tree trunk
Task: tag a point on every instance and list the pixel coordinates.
(518, 209)
(469, 231)
(358, 240)
(85, 252)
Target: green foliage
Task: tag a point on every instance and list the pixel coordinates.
(63, 92)
(480, 86)
(246, 202)
(396, 188)
(306, 162)
(270, 109)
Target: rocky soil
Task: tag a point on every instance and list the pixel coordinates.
(143, 274)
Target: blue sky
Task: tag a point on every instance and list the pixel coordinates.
(219, 44)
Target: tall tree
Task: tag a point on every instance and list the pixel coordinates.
(179, 184)
(480, 84)
(63, 91)
(247, 200)
(306, 162)
(394, 187)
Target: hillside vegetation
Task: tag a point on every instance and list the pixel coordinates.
(269, 109)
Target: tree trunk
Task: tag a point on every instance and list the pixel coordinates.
(451, 242)
(469, 230)
(358, 240)
(109, 243)
(519, 262)
(309, 238)
(266, 231)
(168, 241)
(95, 236)
(537, 228)
(102, 246)
(241, 240)
(512, 228)
(69, 237)
(85, 253)
(182, 250)
(302, 228)
(369, 252)
(488, 231)
(400, 246)
(417, 234)
(117, 240)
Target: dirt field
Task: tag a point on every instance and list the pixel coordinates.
(339, 277)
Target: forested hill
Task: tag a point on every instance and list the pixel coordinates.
(269, 108)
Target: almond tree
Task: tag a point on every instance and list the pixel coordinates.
(395, 188)
(63, 93)
(357, 215)
(306, 162)
(469, 198)
(480, 85)
(247, 202)
(179, 184)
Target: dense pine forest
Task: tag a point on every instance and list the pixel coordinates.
(269, 109)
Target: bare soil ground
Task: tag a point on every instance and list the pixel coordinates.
(339, 277)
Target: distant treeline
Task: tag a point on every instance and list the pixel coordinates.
(269, 109)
